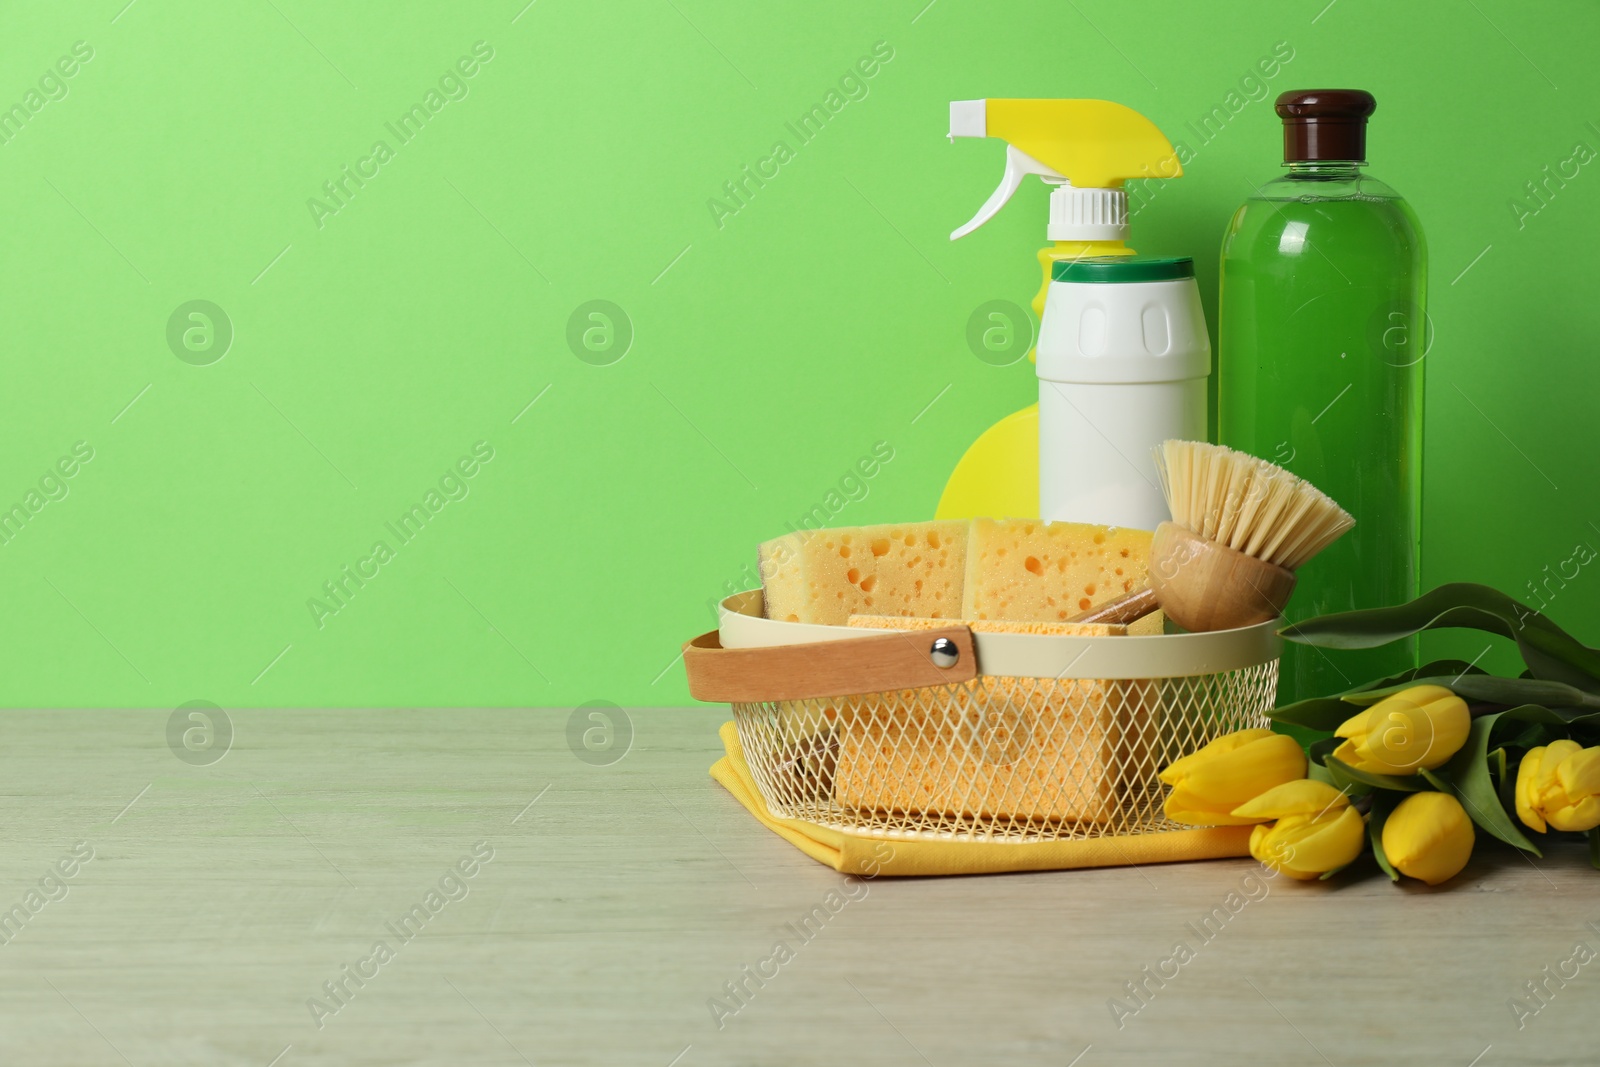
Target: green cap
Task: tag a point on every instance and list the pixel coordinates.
(1112, 269)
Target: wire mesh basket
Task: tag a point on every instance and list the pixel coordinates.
(981, 736)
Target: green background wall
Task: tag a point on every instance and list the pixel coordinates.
(374, 346)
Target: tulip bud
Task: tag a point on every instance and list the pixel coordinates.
(1428, 836)
(1559, 785)
(1415, 729)
(1209, 784)
(1317, 830)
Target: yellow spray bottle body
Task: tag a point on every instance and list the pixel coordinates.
(1086, 149)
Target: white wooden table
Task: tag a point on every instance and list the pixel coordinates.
(620, 899)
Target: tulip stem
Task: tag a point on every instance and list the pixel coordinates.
(1362, 803)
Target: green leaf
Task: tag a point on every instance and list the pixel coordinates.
(1450, 668)
(1492, 689)
(1435, 779)
(1328, 713)
(1344, 774)
(1318, 751)
(1318, 713)
(1325, 875)
(1467, 776)
(1318, 773)
(1531, 735)
(1497, 771)
(1549, 651)
(1382, 805)
(1302, 736)
(1538, 724)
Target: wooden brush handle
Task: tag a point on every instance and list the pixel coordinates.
(1129, 607)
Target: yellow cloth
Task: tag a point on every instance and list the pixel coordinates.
(873, 856)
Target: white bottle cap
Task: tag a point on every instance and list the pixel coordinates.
(1088, 214)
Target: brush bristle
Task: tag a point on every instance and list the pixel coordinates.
(1248, 504)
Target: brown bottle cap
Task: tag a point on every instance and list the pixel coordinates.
(1325, 124)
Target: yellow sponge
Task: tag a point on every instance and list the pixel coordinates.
(1028, 570)
(822, 576)
(991, 626)
(1030, 750)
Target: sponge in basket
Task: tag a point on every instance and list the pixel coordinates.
(1025, 750)
(822, 576)
(989, 626)
(1028, 570)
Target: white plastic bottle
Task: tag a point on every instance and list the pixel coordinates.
(1123, 360)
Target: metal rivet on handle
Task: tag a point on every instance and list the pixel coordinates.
(944, 653)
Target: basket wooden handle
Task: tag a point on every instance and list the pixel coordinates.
(899, 660)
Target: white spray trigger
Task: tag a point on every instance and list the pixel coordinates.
(1018, 165)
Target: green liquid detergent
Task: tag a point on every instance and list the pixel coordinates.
(1321, 342)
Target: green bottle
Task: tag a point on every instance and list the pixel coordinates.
(1322, 334)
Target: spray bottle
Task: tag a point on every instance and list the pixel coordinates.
(1123, 352)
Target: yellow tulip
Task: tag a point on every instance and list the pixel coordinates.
(1316, 830)
(1428, 836)
(1209, 784)
(1415, 729)
(1559, 785)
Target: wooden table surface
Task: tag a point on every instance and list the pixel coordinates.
(620, 896)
